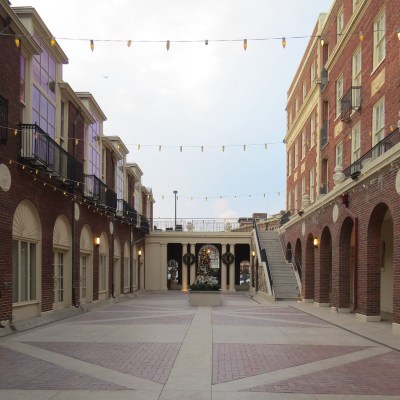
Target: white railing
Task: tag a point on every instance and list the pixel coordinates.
(196, 224)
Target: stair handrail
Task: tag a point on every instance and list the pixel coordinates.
(263, 255)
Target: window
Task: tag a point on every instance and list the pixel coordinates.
(304, 90)
(120, 184)
(312, 184)
(290, 160)
(312, 134)
(94, 148)
(340, 22)
(102, 273)
(44, 71)
(297, 105)
(312, 72)
(22, 72)
(295, 198)
(379, 48)
(339, 154)
(44, 112)
(24, 271)
(296, 153)
(356, 76)
(378, 122)
(303, 190)
(303, 144)
(355, 142)
(289, 201)
(290, 118)
(339, 95)
(58, 277)
(127, 273)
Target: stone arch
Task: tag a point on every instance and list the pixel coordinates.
(26, 256)
(62, 239)
(85, 278)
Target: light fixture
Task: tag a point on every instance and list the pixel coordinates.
(321, 40)
(398, 33)
(17, 41)
(91, 44)
(253, 253)
(316, 243)
(139, 253)
(168, 44)
(97, 241)
(245, 44)
(129, 43)
(283, 42)
(361, 36)
(52, 42)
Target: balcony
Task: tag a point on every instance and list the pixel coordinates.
(42, 152)
(354, 170)
(125, 210)
(99, 192)
(350, 101)
(323, 136)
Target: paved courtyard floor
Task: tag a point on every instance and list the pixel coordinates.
(157, 346)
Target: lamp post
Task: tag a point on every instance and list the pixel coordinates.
(253, 254)
(175, 193)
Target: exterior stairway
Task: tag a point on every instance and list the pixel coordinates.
(283, 277)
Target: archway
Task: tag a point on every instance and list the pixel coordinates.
(215, 258)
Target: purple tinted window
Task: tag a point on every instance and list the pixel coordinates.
(36, 69)
(22, 66)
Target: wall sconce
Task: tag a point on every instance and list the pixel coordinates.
(139, 253)
(253, 253)
(316, 243)
(97, 241)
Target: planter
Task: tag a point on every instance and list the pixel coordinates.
(205, 297)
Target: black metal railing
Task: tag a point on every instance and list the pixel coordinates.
(39, 149)
(263, 254)
(144, 225)
(285, 218)
(324, 78)
(354, 170)
(99, 192)
(125, 210)
(323, 136)
(350, 101)
(297, 265)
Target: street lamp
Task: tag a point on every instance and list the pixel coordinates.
(175, 193)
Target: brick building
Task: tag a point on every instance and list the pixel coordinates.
(73, 212)
(342, 226)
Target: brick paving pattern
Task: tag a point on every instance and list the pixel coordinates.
(379, 375)
(237, 360)
(151, 361)
(20, 371)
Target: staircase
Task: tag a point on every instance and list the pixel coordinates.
(283, 278)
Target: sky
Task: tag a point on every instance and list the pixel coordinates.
(193, 95)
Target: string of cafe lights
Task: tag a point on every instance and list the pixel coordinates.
(323, 38)
(40, 176)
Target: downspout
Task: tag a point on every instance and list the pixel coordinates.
(355, 255)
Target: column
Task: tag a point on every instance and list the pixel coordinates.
(163, 268)
(232, 272)
(224, 287)
(184, 271)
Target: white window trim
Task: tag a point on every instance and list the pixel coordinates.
(339, 95)
(339, 146)
(340, 18)
(377, 40)
(381, 128)
(354, 150)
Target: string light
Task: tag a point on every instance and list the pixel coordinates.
(17, 41)
(129, 43)
(206, 42)
(52, 42)
(168, 44)
(91, 44)
(245, 44)
(398, 33)
(361, 36)
(322, 41)
(283, 42)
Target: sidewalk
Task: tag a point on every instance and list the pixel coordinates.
(157, 346)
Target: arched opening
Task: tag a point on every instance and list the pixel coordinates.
(117, 268)
(343, 281)
(175, 265)
(62, 274)
(214, 255)
(26, 261)
(86, 265)
(324, 279)
(173, 275)
(376, 282)
(103, 267)
(244, 279)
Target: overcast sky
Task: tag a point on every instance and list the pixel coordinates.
(192, 95)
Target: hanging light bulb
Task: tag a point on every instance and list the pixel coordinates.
(15, 132)
(129, 43)
(91, 44)
(76, 142)
(168, 44)
(138, 146)
(206, 199)
(245, 44)
(244, 147)
(361, 36)
(159, 147)
(202, 148)
(206, 42)
(322, 41)
(223, 148)
(398, 33)
(17, 41)
(265, 146)
(283, 42)
(181, 149)
(52, 42)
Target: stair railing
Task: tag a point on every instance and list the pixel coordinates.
(263, 256)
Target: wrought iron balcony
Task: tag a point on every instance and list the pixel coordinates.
(354, 170)
(125, 210)
(99, 192)
(42, 152)
(323, 136)
(350, 101)
(144, 224)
